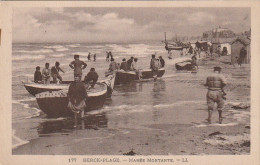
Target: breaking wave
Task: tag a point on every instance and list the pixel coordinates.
(28, 57)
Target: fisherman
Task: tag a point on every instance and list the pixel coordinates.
(113, 65)
(154, 66)
(95, 57)
(77, 65)
(216, 94)
(38, 75)
(123, 65)
(89, 57)
(129, 62)
(92, 76)
(111, 56)
(211, 50)
(134, 67)
(77, 95)
(162, 62)
(242, 56)
(190, 50)
(107, 57)
(55, 72)
(46, 74)
(194, 62)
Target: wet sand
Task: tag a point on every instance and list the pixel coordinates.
(180, 130)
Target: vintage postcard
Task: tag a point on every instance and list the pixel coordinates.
(129, 82)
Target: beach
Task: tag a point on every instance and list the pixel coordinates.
(163, 117)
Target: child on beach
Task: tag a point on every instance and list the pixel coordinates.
(46, 74)
(38, 75)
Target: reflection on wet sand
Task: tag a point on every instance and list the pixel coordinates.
(95, 122)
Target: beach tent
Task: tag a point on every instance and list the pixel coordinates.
(236, 46)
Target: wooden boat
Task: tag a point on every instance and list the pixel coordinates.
(169, 47)
(35, 88)
(175, 45)
(185, 65)
(123, 77)
(55, 103)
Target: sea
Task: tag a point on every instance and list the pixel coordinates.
(134, 105)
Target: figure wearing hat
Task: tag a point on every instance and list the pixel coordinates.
(215, 84)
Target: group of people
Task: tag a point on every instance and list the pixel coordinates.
(94, 57)
(132, 65)
(109, 56)
(46, 74)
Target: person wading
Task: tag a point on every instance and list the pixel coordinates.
(77, 95)
(215, 84)
(154, 66)
(162, 62)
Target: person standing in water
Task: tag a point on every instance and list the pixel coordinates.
(77, 65)
(95, 57)
(89, 57)
(215, 84)
(77, 95)
(46, 74)
(162, 62)
(154, 66)
(194, 62)
(107, 57)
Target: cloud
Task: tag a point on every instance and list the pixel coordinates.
(200, 18)
(117, 24)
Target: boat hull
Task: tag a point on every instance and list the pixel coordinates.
(55, 104)
(123, 77)
(35, 88)
(184, 66)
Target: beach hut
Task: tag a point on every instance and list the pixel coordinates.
(223, 43)
(237, 45)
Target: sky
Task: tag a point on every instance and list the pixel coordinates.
(121, 25)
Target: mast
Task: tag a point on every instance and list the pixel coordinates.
(165, 37)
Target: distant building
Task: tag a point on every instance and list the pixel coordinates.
(220, 37)
(237, 45)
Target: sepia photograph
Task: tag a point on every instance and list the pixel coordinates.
(131, 81)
